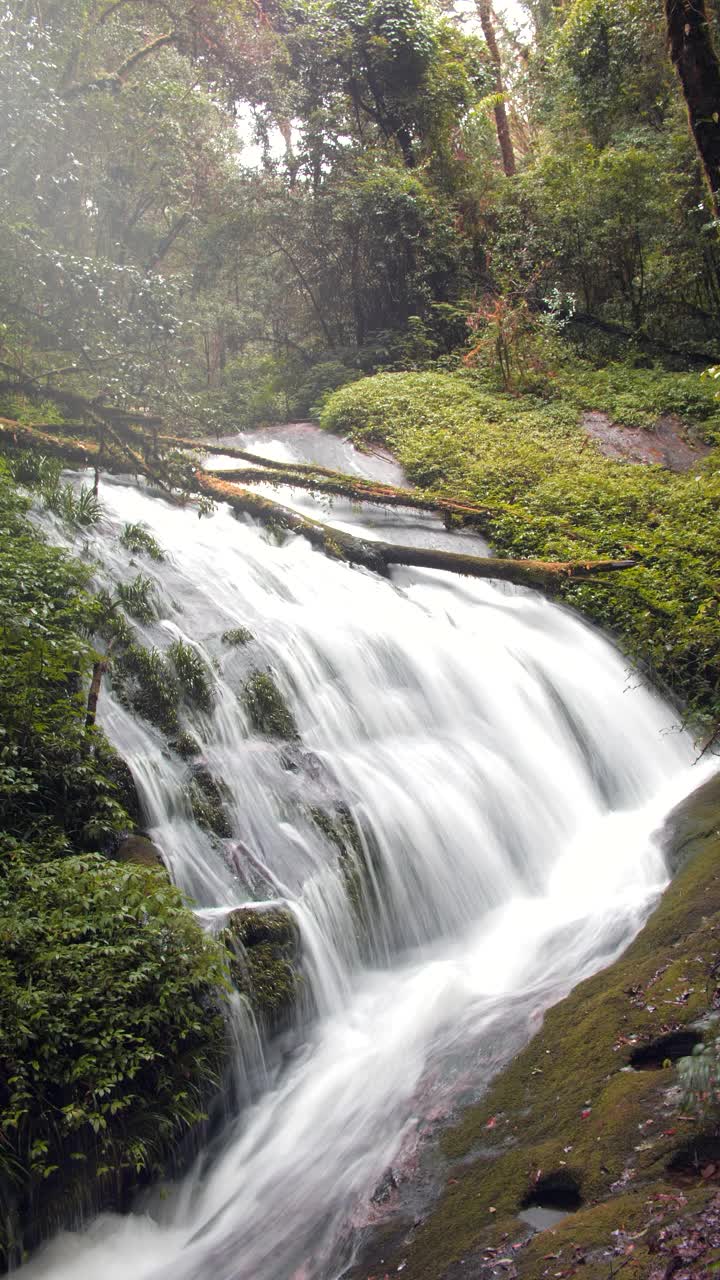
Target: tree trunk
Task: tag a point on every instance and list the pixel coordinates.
(696, 62)
(484, 8)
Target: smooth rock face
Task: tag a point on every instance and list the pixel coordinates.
(140, 851)
(691, 822)
(669, 443)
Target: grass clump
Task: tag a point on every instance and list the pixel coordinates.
(266, 707)
(192, 674)
(138, 598)
(137, 538)
(556, 497)
(236, 637)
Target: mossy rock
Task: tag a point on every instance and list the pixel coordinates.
(264, 948)
(266, 707)
(186, 745)
(141, 852)
(691, 822)
(341, 830)
(570, 1103)
(207, 798)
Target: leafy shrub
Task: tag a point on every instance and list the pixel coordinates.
(111, 1035)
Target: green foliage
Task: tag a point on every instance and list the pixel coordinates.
(236, 637)
(555, 497)
(111, 1036)
(137, 538)
(145, 681)
(193, 675)
(137, 598)
(49, 776)
(266, 707)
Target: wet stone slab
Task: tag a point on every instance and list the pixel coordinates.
(669, 443)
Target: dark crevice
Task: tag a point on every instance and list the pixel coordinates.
(668, 1048)
(558, 1189)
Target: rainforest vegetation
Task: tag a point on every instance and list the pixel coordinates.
(451, 230)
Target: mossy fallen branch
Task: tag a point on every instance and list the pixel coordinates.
(339, 485)
(379, 556)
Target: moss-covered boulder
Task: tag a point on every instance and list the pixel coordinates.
(692, 821)
(208, 800)
(139, 851)
(264, 951)
(266, 707)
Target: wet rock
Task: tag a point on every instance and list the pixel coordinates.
(141, 851)
(667, 443)
(264, 950)
(691, 822)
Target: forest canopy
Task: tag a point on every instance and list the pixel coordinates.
(230, 209)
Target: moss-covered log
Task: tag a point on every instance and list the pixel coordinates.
(339, 485)
(379, 556)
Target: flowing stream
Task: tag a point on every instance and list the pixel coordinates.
(507, 772)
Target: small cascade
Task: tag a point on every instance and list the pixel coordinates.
(458, 817)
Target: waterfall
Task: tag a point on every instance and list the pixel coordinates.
(506, 771)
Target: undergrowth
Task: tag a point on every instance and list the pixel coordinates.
(556, 497)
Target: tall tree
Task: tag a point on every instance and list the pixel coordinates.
(485, 13)
(696, 61)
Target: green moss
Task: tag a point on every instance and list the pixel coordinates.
(341, 830)
(555, 497)
(237, 637)
(266, 707)
(263, 947)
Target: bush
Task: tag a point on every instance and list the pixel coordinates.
(111, 1032)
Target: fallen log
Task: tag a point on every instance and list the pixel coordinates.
(543, 575)
(337, 484)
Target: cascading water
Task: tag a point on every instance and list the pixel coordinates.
(506, 772)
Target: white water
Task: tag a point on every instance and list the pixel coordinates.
(507, 772)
